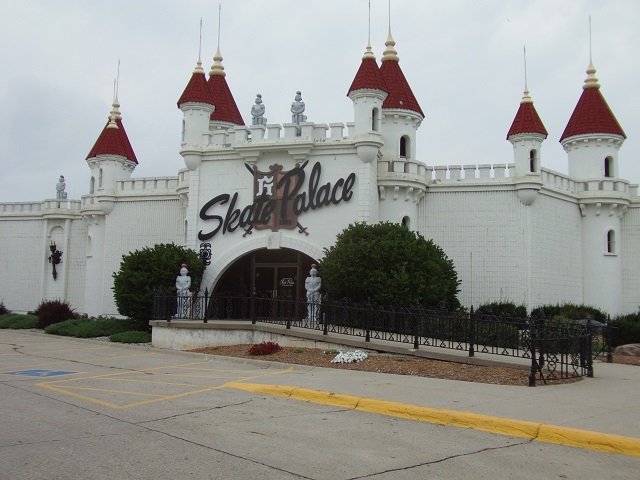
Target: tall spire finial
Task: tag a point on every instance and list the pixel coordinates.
(590, 39)
(115, 112)
(217, 68)
(591, 81)
(219, 15)
(525, 95)
(198, 68)
(118, 79)
(369, 53)
(390, 53)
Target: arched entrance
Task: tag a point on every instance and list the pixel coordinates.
(278, 272)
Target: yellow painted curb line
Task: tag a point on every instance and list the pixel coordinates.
(603, 442)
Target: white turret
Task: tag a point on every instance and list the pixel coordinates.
(592, 139)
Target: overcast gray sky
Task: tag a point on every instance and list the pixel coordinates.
(462, 58)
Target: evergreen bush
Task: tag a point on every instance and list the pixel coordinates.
(18, 321)
(4, 310)
(387, 264)
(570, 311)
(144, 272)
(627, 329)
(503, 309)
(89, 328)
(132, 336)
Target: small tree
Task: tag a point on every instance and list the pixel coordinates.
(145, 271)
(389, 264)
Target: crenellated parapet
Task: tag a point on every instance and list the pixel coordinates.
(49, 207)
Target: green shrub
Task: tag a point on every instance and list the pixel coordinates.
(627, 329)
(387, 264)
(4, 310)
(89, 328)
(18, 321)
(503, 309)
(53, 311)
(145, 271)
(570, 311)
(132, 336)
(264, 348)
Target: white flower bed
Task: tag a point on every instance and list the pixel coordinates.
(350, 357)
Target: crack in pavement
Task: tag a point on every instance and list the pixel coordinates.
(154, 430)
(451, 457)
(177, 415)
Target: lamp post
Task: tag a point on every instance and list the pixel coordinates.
(55, 258)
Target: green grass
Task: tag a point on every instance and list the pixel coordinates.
(89, 328)
(18, 321)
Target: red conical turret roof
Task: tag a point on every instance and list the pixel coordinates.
(368, 76)
(226, 108)
(197, 90)
(527, 119)
(592, 113)
(400, 94)
(113, 139)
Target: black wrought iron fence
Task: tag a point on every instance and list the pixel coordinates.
(556, 349)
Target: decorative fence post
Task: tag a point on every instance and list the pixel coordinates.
(589, 349)
(414, 325)
(252, 307)
(206, 305)
(472, 332)
(327, 315)
(367, 327)
(609, 337)
(532, 349)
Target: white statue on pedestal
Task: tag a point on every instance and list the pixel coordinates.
(257, 112)
(312, 285)
(60, 186)
(183, 283)
(297, 109)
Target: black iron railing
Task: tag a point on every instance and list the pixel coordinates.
(558, 349)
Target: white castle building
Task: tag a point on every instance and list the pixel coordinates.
(268, 198)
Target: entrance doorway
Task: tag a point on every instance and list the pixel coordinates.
(273, 273)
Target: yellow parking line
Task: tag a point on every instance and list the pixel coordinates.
(123, 392)
(541, 432)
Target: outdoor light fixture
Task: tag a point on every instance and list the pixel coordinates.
(55, 258)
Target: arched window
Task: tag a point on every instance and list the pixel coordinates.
(92, 185)
(405, 147)
(406, 222)
(375, 119)
(608, 167)
(184, 129)
(533, 161)
(100, 179)
(611, 241)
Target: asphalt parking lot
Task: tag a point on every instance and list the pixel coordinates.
(87, 409)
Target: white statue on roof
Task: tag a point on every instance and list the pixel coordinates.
(257, 112)
(60, 186)
(297, 109)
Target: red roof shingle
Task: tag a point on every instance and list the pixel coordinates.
(226, 108)
(527, 120)
(592, 115)
(197, 90)
(400, 94)
(113, 141)
(368, 77)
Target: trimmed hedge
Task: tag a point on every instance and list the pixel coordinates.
(18, 321)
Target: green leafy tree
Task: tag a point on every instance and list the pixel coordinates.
(389, 264)
(145, 271)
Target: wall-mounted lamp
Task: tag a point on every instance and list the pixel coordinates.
(55, 258)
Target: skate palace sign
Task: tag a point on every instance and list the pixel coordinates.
(279, 197)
